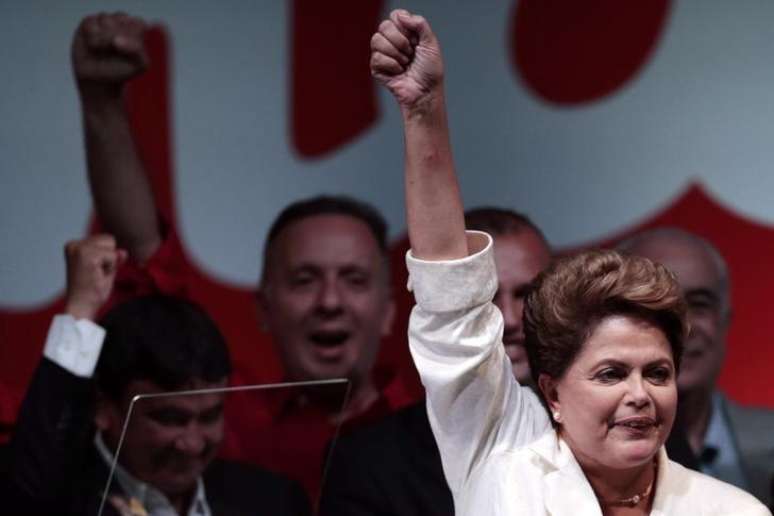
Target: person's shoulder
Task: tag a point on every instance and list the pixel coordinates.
(715, 497)
(748, 413)
(395, 426)
(232, 475)
(751, 426)
(238, 488)
(386, 438)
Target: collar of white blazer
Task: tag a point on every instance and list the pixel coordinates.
(566, 488)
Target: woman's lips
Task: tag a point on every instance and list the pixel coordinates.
(636, 425)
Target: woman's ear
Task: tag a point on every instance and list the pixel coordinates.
(548, 387)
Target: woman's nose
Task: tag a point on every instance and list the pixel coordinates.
(638, 393)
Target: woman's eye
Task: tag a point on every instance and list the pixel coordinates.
(660, 374)
(609, 375)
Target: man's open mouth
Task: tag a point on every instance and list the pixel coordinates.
(329, 339)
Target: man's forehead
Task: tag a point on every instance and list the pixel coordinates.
(152, 393)
(523, 253)
(689, 261)
(325, 239)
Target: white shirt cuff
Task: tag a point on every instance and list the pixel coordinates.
(450, 285)
(74, 345)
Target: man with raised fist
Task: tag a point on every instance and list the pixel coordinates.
(76, 408)
(324, 295)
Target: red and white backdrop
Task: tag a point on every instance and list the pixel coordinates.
(597, 118)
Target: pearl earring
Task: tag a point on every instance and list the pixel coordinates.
(556, 416)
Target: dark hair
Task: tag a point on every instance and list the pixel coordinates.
(500, 221)
(163, 339)
(576, 293)
(328, 205)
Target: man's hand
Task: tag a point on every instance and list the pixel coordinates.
(406, 58)
(91, 269)
(107, 51)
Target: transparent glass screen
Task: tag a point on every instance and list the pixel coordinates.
(223, 450)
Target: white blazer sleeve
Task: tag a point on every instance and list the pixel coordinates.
(474, 404)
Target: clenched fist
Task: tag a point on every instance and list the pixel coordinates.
(91, 270)
(406, 58)
(107, 51)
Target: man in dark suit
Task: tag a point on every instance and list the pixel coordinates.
(89, 379)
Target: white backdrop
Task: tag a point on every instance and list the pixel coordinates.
(702, 108)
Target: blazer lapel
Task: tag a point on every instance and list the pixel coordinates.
(568, 495)
(567, 492)
(668, 485)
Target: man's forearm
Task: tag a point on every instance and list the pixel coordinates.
(120, 188)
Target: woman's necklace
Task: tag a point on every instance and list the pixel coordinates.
(633, 501)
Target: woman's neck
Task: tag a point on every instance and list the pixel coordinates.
(628, 491)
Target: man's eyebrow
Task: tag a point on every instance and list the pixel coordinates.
(355, 267)
(303, 267)
(702, 292)
(214, 408)
(170, 409)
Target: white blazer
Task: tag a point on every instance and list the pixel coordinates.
(500, 454)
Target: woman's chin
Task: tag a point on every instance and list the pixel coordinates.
(636, 454)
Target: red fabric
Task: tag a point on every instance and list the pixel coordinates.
(165, 272)
(570, 53)
(9, 405)
(331, 104)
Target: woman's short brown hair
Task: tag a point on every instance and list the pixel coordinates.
(576, 293)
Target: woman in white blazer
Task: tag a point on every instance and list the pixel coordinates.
(604, 336)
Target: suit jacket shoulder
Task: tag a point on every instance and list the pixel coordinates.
(392, 467)
(51, 441)
(753, 429)
(234, 488)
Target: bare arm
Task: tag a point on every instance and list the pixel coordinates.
(474, 405)
(406, 58)
(107, 51)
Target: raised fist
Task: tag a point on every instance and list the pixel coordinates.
(406, 58)
(107, 51)
(91, 269)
